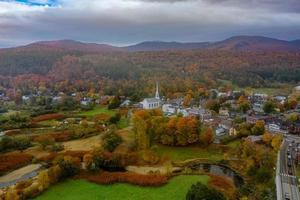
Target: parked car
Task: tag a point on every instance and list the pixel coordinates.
(287, 196)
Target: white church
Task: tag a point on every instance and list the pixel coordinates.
(152, 103)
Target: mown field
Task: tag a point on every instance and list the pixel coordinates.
(176, 189)
(185, 153)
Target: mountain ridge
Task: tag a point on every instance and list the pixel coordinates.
(235, 43)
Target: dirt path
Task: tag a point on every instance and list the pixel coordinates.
(86, 144)
(21, 174)
(37, 152)
(127, 137)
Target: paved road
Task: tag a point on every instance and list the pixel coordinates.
(286, 165)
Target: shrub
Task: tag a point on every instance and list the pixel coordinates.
(263, 174)
(12, 161)
(56, 147)
(48, 117)
(69, 167)
(58, 136)
(199, 191)
(127, 177)
(31, 191)
(22, 142)
(111, 141)
(45, 140)
(224, 185)
(107, 162)
(54, 173)
(12, 194)
(114, 103)
(115, 119)
(43, 180)
(8, 143)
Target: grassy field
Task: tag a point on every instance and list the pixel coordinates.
(184, 153)
(123, 123)
(98, 110)
(282, 89)
(176, 189)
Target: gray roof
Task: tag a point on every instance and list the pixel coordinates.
(152, 100)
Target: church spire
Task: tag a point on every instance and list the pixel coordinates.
(157, 92)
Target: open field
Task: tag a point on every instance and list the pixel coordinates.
(97, 110)
(283, 89)
(176, 189)
(185, 153)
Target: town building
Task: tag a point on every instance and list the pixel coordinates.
(152, 103)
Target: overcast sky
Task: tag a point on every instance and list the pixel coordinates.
(122, 22)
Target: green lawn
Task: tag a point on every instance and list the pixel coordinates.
(176, 189)
(98, 110)
(184, 153)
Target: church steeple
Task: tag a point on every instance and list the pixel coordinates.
(157, 92)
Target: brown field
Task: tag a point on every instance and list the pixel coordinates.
(86, 144)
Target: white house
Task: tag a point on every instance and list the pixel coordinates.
(169, 109)
(152, 103)
(183, 112)
(281, 99)
(125, 103)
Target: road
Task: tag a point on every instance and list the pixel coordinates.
(286, 170)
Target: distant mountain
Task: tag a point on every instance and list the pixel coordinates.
(296, 42)
(237, 43)
(72, 45)
(162, 46)
(256, 43)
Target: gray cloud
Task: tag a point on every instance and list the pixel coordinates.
(278, 5)
(130, 21)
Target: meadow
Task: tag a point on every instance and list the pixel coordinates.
(185, 153)
(176, 189)
(97, 110)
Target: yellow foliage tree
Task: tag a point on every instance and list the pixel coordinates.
(267, 138)
(54, 173)
(276, 142)
(12, 194)
(43, 180)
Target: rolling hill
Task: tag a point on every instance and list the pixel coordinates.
(163, 46)
(256, 43)
(237, 43)
(72, 45)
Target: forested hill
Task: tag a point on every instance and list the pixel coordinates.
(109, 69)
(237, 43)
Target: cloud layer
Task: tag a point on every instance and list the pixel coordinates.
(130, 21)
